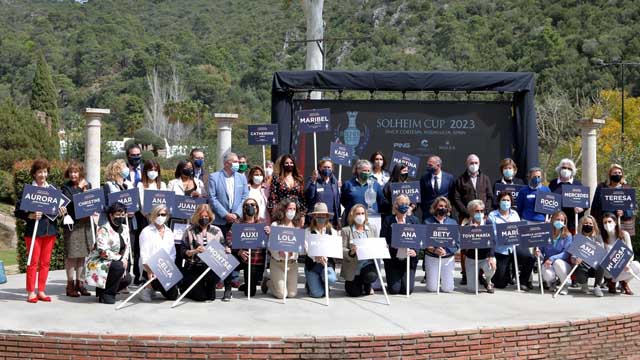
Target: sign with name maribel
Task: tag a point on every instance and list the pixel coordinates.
(314, 120)
(547, 202)
(408, 235)
(575, 196)
(286, 239)
(618, 199)
(412, 162)
(341, 154)
(442, 235)
(262, 134)
(410, 188)
(129, 198)
(47, 200)
(185, 206)
(218, 260)
(88, 202)
(248, 236)
(476, 237)
(617, 259)
(164, 269)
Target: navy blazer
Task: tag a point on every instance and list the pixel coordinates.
(312, 196)
(219, 199)
(556, 186)
(427, 195)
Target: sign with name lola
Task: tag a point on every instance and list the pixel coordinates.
(262, 134)
(218, 260)
(371, 248)
(547, 202)
(314, 120)
(514, 189)
(408, 235)
(286, 239)
(341, 154)
(575, 196)
(617, 259)
(185, 206)
(412, 162)
(129, 198)
(47, 200)
(507, 234)
(441, 235)
(153, 198)
(476, 237)
(410, 188)
(88, 202)
(324, 245)
(164, 269)
(248, 236)
(618, 199)
(587, 249)
(532, 235)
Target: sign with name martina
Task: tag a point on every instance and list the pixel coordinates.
(476, 237)
(88, 202)
(324, 245)
(218, 260)
(262, 134)
(185, 206)
(532, 235)
(547, 202)
(575, 196)
(341, 154)
(153, 198)
(47, 200)
(409, 188)
(129, 198)
(587, 249)
(617, 259)
(286, 239)
(248, 236)
(314, 120)
(618, 199)
(408, 235)
(507, 234)
(441, 235)
(412, 162)
(164, 269)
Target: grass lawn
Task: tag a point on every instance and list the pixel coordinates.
(8, 256)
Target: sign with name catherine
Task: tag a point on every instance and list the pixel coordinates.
(129, 198)
(314, 120)
(218, 260)
(47, 200)
(617, 259)
(286, 239)
(248, 236)
(476, 237)
(185, 206)
(164, 269)
(153, 198)
(371, 248)
(88, 202)
(408, 235)
(410, 188)
(341, 154)
(262, 134)
(507, 234)
(442, 235)
(575, 196)
(324, 245)
(547, 202)
(618, 199)
(533, 235)
(588, 250)
(413, 162)
(510, 188)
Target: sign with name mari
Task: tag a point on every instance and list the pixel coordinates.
(410, 188)
(587, 249)
(262, 134)
(413, 162)
(164, 269)
(286, 239)
(547, 202)
(324, 245)
(218, 260)
(248, 236)
(575, 196)
(408, 235)
(476, 237)
(88, 202)
(442, 235)
(129, 198)
(185, 206)
(507, 234)
(617, 259)
(618, 199)
(341, 154)
(314, 120)
(153, 198)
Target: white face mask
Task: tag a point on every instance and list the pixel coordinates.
(379, 163)
(257, 179)
(160, 220)
(268, 171)
(68, 220)
(152, 175)
(473, 168)
(359, 219)
(565, 173)
(610, 227)
(290, 214)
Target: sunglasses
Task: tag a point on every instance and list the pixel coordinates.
(163, 214)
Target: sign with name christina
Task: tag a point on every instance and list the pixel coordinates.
(575, 196)
(248, 236)
(286, 239)
(47, 200)
(441, 235)
(324, 245)
(412, 162)
(587, 249)
(547, 202)
(262, 134)
(218, 260)
(410, 188)
(341, 154)
(532, 235)
(185, 206)
(514, 189)
(476, 237)
(408, 235)
(617, 259)
(129, 198)
(88, 202)
(314, 120)
(153, 198)
(371, 248)
(507, 234)
(618, 199)
(164, 269)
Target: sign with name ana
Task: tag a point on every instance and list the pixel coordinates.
(47, 200)
(412, 162)
(618, 199)
(409, 188)
(547, 202)
(324, 245)
(262, 134)
(371, 248)
(248, 236)
(153, 198)
(442, 235)
(514, 189)
(507, 234)
(617, 259)
(164, 269)
(178, 231)
(286, 239)
(185, 206)
(218, 260)
(575, 196)
(532, 235)
(314, 120)
(341, 154)
(408, 235)
(476, 237)
(129, 198)
(88, 202)
(587, 249)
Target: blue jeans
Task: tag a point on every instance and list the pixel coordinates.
(315, 280)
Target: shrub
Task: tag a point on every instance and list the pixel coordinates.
(6, 187)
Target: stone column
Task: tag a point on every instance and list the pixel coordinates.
(224, 135)
(589, 129)
(92, 144)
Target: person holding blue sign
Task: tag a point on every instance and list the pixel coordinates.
(353, 190)
(399, 174)
(566, 171)
(314, 267)
(588, 227)
(440, 213)
(286, 183)
(526, 201)
(556, 258)
(613, 233)
(615, 180)
(358, 274)
(508, 171)
(324, 187)
(486, 259)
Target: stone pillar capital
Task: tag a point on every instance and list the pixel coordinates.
(92, 144)
(590, 123)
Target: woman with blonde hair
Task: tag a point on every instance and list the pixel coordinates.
(440, 214)
(486, 257)
(358, 274)
(556, 258)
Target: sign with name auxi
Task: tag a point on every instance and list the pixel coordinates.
(507, 234)
(442, 235)
(153, 198)
(262, 134)
(43, 199)
(617, 259)
(324, 245)
(286, 239)
(575, 196)
(412, 162)
(587, 249)
(371, 248)
(314, 120)
(164, 269)
(533, 235)
(341, 154)
(218, 260)
(476, 237)
(248, 236)
(185, 206)
(88, 202)
(408, 235)
(618, 199)
(129, 198)
(547, 202)
(411, 189)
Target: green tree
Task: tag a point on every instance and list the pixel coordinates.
(43, 94)
(146, 138)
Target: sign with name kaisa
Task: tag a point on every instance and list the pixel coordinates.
(410, 188)
(412, 162)
(164, 269)
(617, 259)
(185, 206)
(341, 154)
(286, 239)
(153, 198)
(88, 202)
(262, 134)
(575, 196)
(218, 260)
(314, 120)
(618, 199)
(43, 199)
(129, 198)
(442, 235)
(248, 236)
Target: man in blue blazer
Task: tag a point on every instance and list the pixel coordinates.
(227, 191)
(433, 184)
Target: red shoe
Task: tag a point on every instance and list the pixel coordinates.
(44, 298)
(33, 300)
(219, 285)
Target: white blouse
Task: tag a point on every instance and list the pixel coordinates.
(151, 242)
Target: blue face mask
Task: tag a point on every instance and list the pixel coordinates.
(505, 205)
(198, 163)
(478, 217)
(558, 224)
(403, 209)
(325, 172)
(507, 173)
(235, 166)
(535, 181)
(124, 173)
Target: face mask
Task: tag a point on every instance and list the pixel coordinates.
(478, 217)
(268, 171)
(68, 220)
(288, 168)
(251, 210)
(507, 173)
(587, 229)
(505, 205)
(403, 209)
(326, 172)
(124, 173)
(610, 227)
(134, 160)
(321, 220)
(187, 172)
(235, 166)
(243, 167)
(160, 220)
(565, 173)
(117, 222)
(257, 179)
(152, 175)
(291, 214)
(431, 170)
(198, 163)
(363, 176)
(442, 212)
(558, 224)
(378, 163)
(203, 221)
(534, 182)
(359, 219)
(615, 178)
(473, 168)
(404, 177)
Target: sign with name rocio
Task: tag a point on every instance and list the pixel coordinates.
(442, 235)
(88, 202)
(324, 245)
(507, 234)
(286, 239)
(314, 120)
(587, 249)
(617, 259)
(341, 154)
(164, 269)
(575, 196)
(412, 162)
(513, 189)
(410, 188)
(476, 237)
(218, 260)
(371, 248)
(618, 199)
(532, 235)
(185, 206)
(153, 198)
(262, 134)
(129, 198)
(547, 202)
(248, 236)
(43, 199)
(409, 236)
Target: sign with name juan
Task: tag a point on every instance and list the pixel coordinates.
(587, 249)
(47, 200)
(476, 237)
(408, 235)
(324, 245)
(218, 260)
(507, 234)
(341, 154)
(248, 236)
(262, 134)
(286, 239)
(575, 196)
(164, 269)
(153, 198)
(129, 198)
(88, 202)
(314, 120)
(411, 189)
(514, 189)
(532, 235)
(441, 235)
(547, 202)
(412, 162)
(618, 199)
(617, 259)
(185, 206)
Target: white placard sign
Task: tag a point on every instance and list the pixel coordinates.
(371, 248)
(324, 245)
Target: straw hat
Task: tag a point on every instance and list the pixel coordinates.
(320, 208)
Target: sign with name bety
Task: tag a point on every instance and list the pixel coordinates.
(286, 239)
(442, 235)
(218, 260)
(248, 236)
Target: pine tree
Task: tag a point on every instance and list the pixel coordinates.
(44, 97)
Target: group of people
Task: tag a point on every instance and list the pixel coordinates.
(278, 195)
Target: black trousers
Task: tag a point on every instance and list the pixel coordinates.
(361, 283)
(396, 271)
(505, 266)
(584, 272)
(256, 276)
(171, 294)
(205, 289)
(116, 280)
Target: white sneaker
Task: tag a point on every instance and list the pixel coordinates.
(597, 291)
(564, 291)
(585, 288)
(146, 295)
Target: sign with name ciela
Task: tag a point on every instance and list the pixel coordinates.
(575, 196)
(547, 202)
(412, 162)
(410, 188)
(164, 269)
(262, 134)
(129, 198)
(618, 199)
(314, 120)
(88, 202)
(617, 259)
(185, 206)
(153, 198)
(47, 200)
(286, 239)
(476, 237)
(248, 236)
(442, 235)
(218, 260)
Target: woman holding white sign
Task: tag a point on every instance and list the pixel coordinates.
(440, 259)
(358, 275)
(486, 259)
(314, 267)
(613, 233)
(588, 227)
(556, 258)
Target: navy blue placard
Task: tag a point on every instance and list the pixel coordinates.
(547, 202)
(476, 237)
(286, 239)
(47, 200)
(587, 249)
(410, 236)
(507, 234)
(88, 202)
(248, 236)
(129, 198)
(511, 188)
(575, 196)
(153, 198)
(409, 188)
(64, 201)
(618, 199)
(413, 162)
(341, 154)
(218, 260)
(441, 235)
(164, 269)
(532, 235)
(617, 259)
(185, 206)
(262, 134)
(314, 120)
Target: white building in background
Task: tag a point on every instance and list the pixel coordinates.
(116, 147)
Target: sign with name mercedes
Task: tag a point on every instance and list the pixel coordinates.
(408, 235)
(618, 199)
(441, 235)
(412, 162)
(476, 237)
(575, 196)
(286, 239)
(314, 120)
(153, 198)
(185, 206)
(218, 260)
(341, 154)
(617, 259)
(248, 236)
(532, 235)
(262, 134)
(88, 202)
(164, 269)
(411, 189)
(547, 202)
(129, 198)
(587, 249)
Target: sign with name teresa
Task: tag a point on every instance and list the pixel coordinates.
(185, 206)
(532, 235)
(248, 236)
(341, 154)
(314, 120)
(587, 249)
(547, 202)
(413, 162)
(371, 248)
(617, 259)
(262, 134)
(442, 235)
(476, 237)
(165, 269)
(514, 189)
(410, 188)
(286, 239)
(324, 245)
(129, 198)
(88, 202)
(507, 234)
(408, 235)
(618, 199)
(218, 260)
(153, 198)
(43, 199)
(575, 196)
